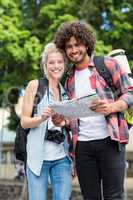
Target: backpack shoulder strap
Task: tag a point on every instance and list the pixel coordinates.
(130, 75)
(42, 87)
(103, 71)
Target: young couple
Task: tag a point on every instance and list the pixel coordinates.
(98, 142)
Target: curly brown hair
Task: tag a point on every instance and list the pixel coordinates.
(81, 31)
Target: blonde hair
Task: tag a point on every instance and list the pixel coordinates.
(48, 49)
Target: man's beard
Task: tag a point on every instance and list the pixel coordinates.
(78, 61)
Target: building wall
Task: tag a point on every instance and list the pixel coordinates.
(10, 190)
(7, 167)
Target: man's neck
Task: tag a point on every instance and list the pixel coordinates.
(83, 64)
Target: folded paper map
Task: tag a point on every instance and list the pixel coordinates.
(77, 107)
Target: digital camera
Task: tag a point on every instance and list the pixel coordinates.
(55, 136)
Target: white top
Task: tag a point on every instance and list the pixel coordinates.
(53, 151)
(39, 150)
(92, 127)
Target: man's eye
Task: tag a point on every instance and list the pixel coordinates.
(68, 47)
(78, 44)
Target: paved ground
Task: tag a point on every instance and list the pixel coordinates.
(76, 195)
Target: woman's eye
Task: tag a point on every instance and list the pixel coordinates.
(51, 62)
(60, 62)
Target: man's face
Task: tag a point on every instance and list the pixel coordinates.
(75, 51)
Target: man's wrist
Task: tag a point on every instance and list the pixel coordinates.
(66, 122)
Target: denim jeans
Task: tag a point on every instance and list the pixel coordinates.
(100, 168)
(59, 172)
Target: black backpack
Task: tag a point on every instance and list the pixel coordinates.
(105, 73)
(21, 133)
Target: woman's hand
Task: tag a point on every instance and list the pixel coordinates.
(48, 112)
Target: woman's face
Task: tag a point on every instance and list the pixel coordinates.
(55, 65)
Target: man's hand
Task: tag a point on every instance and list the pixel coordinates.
(58, 120)
(102, 107)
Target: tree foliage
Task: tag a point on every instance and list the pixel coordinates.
(27, 25)
(20, 50)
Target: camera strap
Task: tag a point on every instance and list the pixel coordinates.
(60, 98)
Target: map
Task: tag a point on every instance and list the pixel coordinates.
(77, 107)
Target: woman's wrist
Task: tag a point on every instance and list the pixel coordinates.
(40, 119)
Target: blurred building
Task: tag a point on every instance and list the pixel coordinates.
(7, 166)
(129, 154)
(7, 137)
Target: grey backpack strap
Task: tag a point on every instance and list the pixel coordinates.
(103, 71)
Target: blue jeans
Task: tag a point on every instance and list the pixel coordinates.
(59, 172)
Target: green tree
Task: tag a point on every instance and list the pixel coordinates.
(19, 49)
(113, 22)
(27, 25)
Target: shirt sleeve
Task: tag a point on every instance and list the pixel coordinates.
(121, 80)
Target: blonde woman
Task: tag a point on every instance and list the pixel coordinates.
(47, 157)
